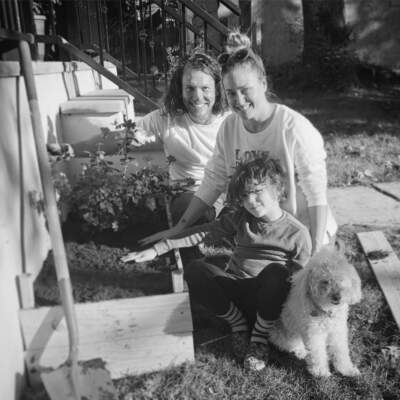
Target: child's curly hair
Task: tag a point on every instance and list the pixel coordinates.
(262, 169)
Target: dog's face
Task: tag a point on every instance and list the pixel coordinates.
(332, 281)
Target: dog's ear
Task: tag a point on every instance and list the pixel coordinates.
(339, 245)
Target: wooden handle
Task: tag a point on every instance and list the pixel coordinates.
(51, 211)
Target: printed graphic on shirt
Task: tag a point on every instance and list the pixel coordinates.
(248, 155)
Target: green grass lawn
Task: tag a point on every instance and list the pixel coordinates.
(361, 130)
(362, 137)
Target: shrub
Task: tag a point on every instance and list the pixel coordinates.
(108, 198)
(104, 198)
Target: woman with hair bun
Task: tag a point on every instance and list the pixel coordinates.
(255, 126)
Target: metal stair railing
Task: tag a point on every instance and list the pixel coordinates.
(142, 49)
(187, 24)
(81, 55)
(207, 18)
(231, 6)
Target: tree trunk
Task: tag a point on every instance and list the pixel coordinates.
(324, 27)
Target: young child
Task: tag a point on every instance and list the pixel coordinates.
(270, 245)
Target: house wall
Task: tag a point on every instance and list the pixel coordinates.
(277, 30)
(24, 241)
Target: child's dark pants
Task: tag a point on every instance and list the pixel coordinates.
(214, 288)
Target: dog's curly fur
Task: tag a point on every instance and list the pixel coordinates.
(313, 323)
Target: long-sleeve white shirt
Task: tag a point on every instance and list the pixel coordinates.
(187, 144)
(290, 138)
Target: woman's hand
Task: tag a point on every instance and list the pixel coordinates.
(156, 237)
(316, 247)
(140, 256)
(318, 220)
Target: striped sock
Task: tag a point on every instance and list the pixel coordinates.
(235, 319)
(261, 330)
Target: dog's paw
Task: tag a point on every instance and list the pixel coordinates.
(300, 352)
(319, 372)
(349, 370)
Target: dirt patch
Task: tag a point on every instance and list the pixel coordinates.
(98, 274)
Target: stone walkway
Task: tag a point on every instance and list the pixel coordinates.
(378, 205)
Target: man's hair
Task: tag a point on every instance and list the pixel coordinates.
(260, 169)
(198, 61)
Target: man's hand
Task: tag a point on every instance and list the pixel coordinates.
(140, 256)
(140, 138)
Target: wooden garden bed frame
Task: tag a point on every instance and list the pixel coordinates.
(132, 336)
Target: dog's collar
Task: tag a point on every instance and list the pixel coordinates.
(317, 310)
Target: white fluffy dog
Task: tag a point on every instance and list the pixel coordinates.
(313, 323)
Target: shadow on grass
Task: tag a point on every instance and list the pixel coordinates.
(350, 113)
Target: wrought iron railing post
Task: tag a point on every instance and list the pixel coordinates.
(88, 21)
(105, 24)
(152, 45)
(183, 14)
(122, 28)
(51, 18)
(99, 32)
(164, 41)
(79, 19)
(34, 47)
(136, 39)
(143, 37)
(20, 11)
(15, 11)
(4, 15)
(12, 15)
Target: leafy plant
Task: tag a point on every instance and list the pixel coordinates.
(57, 152)
(125, 139)
(106, 197)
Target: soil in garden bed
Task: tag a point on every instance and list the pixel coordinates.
(75, 230)
(98, 274)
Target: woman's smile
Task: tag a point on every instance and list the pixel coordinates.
(245, 91)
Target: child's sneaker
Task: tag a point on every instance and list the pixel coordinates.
(240, 343)
(256, 357)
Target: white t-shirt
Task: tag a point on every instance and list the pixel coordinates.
(187, 144)
(290, 138)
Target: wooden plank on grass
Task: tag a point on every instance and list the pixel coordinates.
(389, 188)
(386, 267)
(123, 332)
(109, 320)
(121, 357)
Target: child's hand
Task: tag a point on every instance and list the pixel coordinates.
(140, 256)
